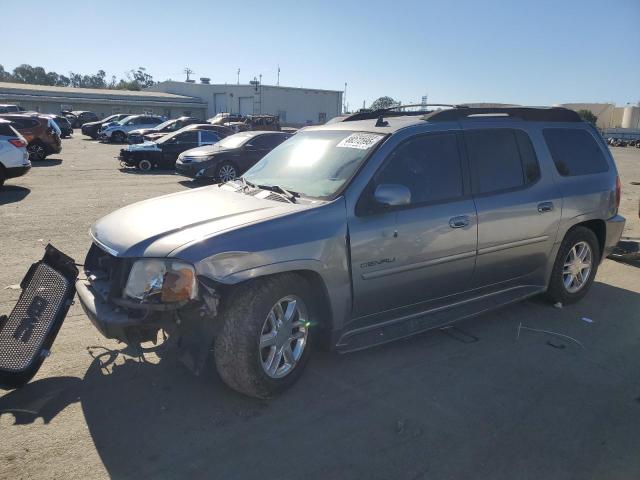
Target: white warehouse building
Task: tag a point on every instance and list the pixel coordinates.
(295, 106)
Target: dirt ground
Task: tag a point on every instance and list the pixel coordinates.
(477, 401)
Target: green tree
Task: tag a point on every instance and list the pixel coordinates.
(588, 116)
(383, 102)
(136, 80)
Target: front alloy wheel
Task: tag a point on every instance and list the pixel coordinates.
(226, 173)
(284, 336)
(266, 334)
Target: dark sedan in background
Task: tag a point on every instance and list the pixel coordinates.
(163, 153)
(173, 125)
(66, 130)
(78, 118)
(230, 157)
(91, 129)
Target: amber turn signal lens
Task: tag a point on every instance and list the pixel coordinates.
(178, 285)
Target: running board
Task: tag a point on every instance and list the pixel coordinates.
(409, 325)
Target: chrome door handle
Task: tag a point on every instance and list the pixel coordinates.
(545, 207)
(459, 222)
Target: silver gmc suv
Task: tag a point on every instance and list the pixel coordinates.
(357, 233)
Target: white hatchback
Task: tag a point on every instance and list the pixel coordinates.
(14, 158)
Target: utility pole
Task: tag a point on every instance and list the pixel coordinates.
(188, 71)
(238, 76)
(344, 99)
(278, 82)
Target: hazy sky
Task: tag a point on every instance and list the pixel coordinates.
(535, 52)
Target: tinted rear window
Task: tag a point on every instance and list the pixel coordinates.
(6, 130)
(575, 152)
(501, 159)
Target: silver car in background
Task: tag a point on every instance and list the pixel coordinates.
(357, 233)
(117, 132)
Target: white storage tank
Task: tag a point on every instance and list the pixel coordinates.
(631, 117)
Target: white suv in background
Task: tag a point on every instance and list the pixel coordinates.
(117, 132)
(14, 158)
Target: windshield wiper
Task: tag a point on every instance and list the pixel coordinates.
(289, 195)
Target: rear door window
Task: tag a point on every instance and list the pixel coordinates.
(208, 137)
(501, 159)
(574, 151)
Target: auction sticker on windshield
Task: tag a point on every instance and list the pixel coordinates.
(361, 141)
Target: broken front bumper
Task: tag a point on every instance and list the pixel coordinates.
(121, 322)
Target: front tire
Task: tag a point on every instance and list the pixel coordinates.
(118, 137)
(145, 165)
(226, 172)
(575, 267)
(265, 339)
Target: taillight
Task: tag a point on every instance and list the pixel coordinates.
(618, 191)
(16, 142)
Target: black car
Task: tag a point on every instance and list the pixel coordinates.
(91, 129)
(63, 124)
(173, 125)
(230, 157)
(78, 118)
(163, 153)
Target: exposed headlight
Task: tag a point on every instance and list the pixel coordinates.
(164, 280)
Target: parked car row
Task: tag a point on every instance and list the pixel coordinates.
(620, 142)
(40, 132)
(14, 158)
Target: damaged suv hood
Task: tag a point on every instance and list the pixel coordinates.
(156, 227)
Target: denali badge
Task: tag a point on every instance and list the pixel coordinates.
(373, 263)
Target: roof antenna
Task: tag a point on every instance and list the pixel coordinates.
(381, 122)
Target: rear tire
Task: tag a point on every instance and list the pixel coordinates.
(261, 353)
(570, 278)
(2, 176)
(36, 151)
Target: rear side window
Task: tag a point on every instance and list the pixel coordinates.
(6, 130)
(501, 159)
(574, 151)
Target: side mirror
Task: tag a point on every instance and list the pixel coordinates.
(392, 195)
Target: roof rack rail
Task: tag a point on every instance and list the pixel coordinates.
(396, 112)
(533, 114)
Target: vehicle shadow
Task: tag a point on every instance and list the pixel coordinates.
(47, 162)
(155, 171)
(195, 183)
(437, 403)
(12, 194)
(43, 399)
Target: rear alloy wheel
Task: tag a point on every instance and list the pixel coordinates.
(118, 137)
(575, 267)
(145, 165)
(225, 173)
(36, 151)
